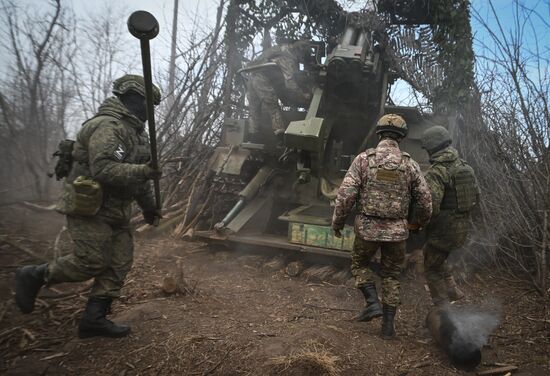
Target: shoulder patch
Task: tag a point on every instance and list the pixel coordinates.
(119, 153)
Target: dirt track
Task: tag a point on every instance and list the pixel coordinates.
(241, 315)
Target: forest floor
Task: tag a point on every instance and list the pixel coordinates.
(239, 313)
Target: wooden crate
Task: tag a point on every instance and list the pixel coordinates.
(320, 236)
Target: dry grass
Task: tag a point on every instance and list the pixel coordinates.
(319, 273)
(275, 264)
(312, 359)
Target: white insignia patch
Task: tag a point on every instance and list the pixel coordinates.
(119, 153)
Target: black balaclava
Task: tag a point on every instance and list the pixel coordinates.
(135, 103)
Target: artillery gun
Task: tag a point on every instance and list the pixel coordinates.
(280, 196)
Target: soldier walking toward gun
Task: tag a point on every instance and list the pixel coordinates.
(107, 171)
(382, 182)
(454, 192)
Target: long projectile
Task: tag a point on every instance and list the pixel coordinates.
(464, 353)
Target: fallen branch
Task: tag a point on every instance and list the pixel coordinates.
(9, 331)
(537, 320)
(330, 308)
(421, 364)
(58, 355)
(37, 207)
(498, 371)
(24, 250)
(163, 226)
(69, 294)
(184, 221)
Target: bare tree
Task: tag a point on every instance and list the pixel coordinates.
(34, 99)
(103, 56)
(507, 137)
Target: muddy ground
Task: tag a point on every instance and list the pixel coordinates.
(239, 313)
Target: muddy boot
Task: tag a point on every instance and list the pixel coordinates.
(373, 308)
(28, 281)
(388, 330)
(94, 323)
(453, 291)
(438, 293)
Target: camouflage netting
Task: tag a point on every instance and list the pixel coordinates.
(435, 58)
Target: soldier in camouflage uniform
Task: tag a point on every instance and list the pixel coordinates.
(111, 150)
(454, 193)
(382, 182)
(266, 85)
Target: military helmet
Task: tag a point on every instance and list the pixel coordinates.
(392, 123)
(133, 82)
(435, 138)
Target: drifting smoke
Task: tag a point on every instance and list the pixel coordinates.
(472, 326)
(462, 332)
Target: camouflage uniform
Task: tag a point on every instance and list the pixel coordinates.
(380, 231)
(265, 86)
(449, 227)
(113, 148)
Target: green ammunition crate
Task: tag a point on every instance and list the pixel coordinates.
(320, 236)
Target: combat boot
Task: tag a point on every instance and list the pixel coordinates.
(28, 281)
(94, 323)
(388, 330)
(438, 290)
(372, 308)
(453, 291)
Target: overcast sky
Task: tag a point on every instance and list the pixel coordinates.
(203, 13)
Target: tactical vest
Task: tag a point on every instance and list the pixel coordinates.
(387, 190)
(461, 191)
(137, 152)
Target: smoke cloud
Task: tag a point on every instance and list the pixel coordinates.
(473, 326)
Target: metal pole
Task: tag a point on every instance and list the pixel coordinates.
(144, 26)
(146, 59)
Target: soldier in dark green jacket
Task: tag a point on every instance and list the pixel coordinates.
(454, 192)
(109, 172)
(267, 85)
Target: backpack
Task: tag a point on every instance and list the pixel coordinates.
(462, 192)
(64, 153)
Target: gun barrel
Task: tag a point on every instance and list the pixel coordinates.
(247, 194)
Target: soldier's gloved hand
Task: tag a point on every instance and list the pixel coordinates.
(152, 217)
(337, 232)
(152, 173)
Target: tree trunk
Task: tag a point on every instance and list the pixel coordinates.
(231, 54)
(172, 67)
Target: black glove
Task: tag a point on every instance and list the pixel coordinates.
(152, 216)
(152, 173)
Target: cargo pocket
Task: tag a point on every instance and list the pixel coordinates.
(83, 197)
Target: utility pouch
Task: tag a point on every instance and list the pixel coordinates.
(461, 194)
(83, 197)
(64, 153)
(466, 188)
